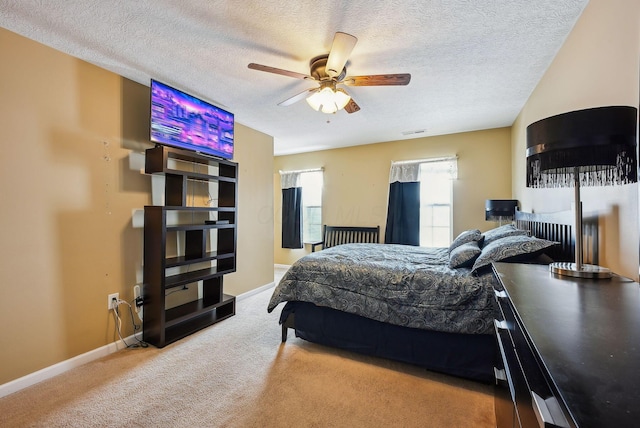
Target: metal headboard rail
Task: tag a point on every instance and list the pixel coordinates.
(558, 227)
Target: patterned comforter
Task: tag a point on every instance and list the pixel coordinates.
(398, 284)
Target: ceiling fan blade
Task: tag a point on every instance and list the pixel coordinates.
(280, 71)
(302, 95)
(351, 107)
(378, 80)
(341, 48)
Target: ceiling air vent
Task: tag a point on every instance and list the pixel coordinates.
(417, 131)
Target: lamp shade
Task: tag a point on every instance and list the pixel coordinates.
(500, 209)
(597, 143)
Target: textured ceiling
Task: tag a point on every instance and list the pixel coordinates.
(473, 63)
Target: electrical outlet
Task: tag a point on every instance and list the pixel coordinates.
(110, 303)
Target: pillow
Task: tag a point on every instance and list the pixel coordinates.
(501, 232)
(511, 249)
(470, 235)
(464, 255)
(540, 259)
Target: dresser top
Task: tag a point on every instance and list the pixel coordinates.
(586, 332)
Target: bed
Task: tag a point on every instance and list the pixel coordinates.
(431, 307)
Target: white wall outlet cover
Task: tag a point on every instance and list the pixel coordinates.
(110, 303)
(137, 292)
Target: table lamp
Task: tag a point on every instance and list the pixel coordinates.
(500, 210)
(591, 147)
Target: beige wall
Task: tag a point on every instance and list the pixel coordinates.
(356, 180)
(597, 66)
(254, 154)
(72, 137)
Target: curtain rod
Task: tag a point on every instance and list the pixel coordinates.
(301, 170)
(445, 158)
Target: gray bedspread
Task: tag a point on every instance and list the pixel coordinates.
(398, 284)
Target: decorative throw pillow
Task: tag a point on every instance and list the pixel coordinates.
(511, 248)
(464, 255)
(470, 235)
(501, 232)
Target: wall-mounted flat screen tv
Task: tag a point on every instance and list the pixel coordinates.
(186, 122)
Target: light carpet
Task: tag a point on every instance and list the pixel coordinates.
(237, 373)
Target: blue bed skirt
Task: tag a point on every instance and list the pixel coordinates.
(471, 356)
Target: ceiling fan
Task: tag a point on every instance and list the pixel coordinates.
(329, 71)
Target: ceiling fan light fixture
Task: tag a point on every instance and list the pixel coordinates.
(329, 108)
(341, 98)
(320, 98)
(328, 101)
(329, 70)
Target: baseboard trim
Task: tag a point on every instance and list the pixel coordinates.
(250, 293)
(278, 266)
(79, 360)
(64, 366)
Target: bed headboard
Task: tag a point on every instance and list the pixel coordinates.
(559, 226)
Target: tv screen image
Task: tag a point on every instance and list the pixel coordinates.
(187, 122)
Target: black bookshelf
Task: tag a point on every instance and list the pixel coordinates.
(199, 257)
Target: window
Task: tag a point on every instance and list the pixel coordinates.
(436, 194)
(311, 206)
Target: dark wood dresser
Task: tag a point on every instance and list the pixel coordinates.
(570, 349)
